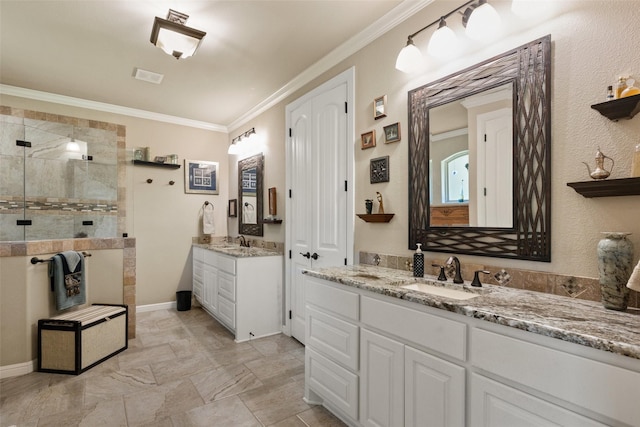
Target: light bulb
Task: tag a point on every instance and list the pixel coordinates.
(234, 148)
(409, 58)
(484, 22)
(444, 42)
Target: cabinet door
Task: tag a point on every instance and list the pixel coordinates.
(434, 391)
(381, 380)
(496, 405)
(227, 286)
(210, 289)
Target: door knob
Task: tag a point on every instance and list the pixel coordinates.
(307, 255)
(315, 256)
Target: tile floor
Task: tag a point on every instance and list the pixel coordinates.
(183, 369)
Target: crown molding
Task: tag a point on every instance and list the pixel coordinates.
(396, 16)
(109, 108)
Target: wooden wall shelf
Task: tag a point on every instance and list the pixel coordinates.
(623, 108)
(156, 164)
(376, 217)
(607, 187)
(272, 221)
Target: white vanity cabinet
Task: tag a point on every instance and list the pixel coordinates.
(536, 380)
(332, 353)
(375, 360)
(198, 273)
(401, 384)
(242, 293)
(363, 360)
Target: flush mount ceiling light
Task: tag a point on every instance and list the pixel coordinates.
(174, 37)
(480, 19)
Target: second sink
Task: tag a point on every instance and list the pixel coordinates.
(439, 291)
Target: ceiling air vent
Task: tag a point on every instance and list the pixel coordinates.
(148, 76)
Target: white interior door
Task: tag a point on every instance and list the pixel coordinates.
(318, 176)
(495, 169)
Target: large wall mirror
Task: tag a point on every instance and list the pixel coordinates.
(250, 183)
(479, 158)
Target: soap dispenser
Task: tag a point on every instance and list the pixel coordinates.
(418, 262)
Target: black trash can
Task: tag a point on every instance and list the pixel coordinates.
(183, 300)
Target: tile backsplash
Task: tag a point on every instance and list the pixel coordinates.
(586, 288)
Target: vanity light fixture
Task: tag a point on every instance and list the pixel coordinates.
(480, 20)
(236, 147)
(174, 37)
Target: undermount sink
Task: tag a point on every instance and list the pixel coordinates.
(439, 291)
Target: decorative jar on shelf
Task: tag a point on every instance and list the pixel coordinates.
(615, 258)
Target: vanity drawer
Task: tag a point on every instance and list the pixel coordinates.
(336, 300)
(332, 382)
(227, 264)
(443, 335)
(227, 286)
(210, 258)
(198, 254)
(333, 337)
(566, 376)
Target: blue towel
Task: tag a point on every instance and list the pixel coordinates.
(66, 270)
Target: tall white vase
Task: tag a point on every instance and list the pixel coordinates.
(615, 258)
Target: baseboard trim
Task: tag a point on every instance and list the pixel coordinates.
(18, 369)
(155, 307)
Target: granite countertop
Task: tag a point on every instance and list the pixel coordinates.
(237, 251)
(578, 321)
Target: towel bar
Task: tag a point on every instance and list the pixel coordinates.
(36, 260)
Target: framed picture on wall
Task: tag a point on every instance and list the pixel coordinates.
(233, 208)
(379, 170)
(380, 107)
(201, 177)
(392, 133)
(368, 139)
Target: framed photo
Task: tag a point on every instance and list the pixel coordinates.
(379, 170)
(200, 177)
(392, 133)
(233, 208)
(368, 139)
(380, 107)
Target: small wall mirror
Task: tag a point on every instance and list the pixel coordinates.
(250, 182)
(479, 158)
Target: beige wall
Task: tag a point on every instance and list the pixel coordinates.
(162, 218)
(591, 45)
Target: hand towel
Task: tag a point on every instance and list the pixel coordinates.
(68, 285)
(207, 219)
(634, 280)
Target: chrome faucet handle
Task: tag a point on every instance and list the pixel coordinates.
(476, 278)
(442, 276)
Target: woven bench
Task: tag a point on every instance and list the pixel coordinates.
(74, 342)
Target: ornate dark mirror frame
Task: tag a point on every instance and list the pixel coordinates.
(528, 68)
(257, 162)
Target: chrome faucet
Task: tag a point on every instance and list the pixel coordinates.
(243, 241)
(456, 263)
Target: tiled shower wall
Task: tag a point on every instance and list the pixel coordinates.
(58, 191)
(558, 284)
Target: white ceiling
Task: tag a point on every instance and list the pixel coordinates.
(88, 49)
